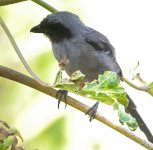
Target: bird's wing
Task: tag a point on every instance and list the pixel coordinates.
(99, 42)
(106, 56)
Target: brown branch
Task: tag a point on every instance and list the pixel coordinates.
(23, 79)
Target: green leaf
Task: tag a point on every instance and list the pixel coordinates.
(67, 85)
(58, 78)
(106, 90)
(7, 142)
(77, 76)
(108, 80)
(120, 95)
(151, 85)
(128, 120)
(52, 137)
(90, 88)
(116, 106)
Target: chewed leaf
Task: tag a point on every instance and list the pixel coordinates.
(67, 85)
(123, 100)
(106, 90)
(101, 97)
(7, 143)
(128, 120)
(108, 80)
(89, 87)
(119, 94)
(58, 77)
(151, 85)
(77, 76)
(150, 88)
(92, 90)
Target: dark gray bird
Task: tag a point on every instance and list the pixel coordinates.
(78, 47)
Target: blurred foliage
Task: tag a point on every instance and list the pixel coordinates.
(52, 137)
(10, 138)
(44, 66)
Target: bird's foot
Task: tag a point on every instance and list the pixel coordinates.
(92, 111)
(61, 94)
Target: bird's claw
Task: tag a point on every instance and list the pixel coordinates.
(92, 111)
(61, 94)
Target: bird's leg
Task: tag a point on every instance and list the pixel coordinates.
(61, 93)
(92, 111)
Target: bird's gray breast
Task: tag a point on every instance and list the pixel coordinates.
(70, 50)
(80, 57)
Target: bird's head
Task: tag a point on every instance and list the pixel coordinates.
(59, 26)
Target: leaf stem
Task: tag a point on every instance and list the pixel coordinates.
(140, 88)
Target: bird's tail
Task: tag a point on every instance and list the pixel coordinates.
(134, 113)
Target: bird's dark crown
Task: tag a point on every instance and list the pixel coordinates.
(59, 26)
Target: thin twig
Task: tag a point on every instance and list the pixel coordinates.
(23, 79)
(24, 62)
(144, 88)
(39, 2)
(46, 5)
(8, 2)
(140, 88)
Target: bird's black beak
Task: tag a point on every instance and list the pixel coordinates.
(37, 29)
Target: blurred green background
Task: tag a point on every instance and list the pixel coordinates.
(35, 114)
